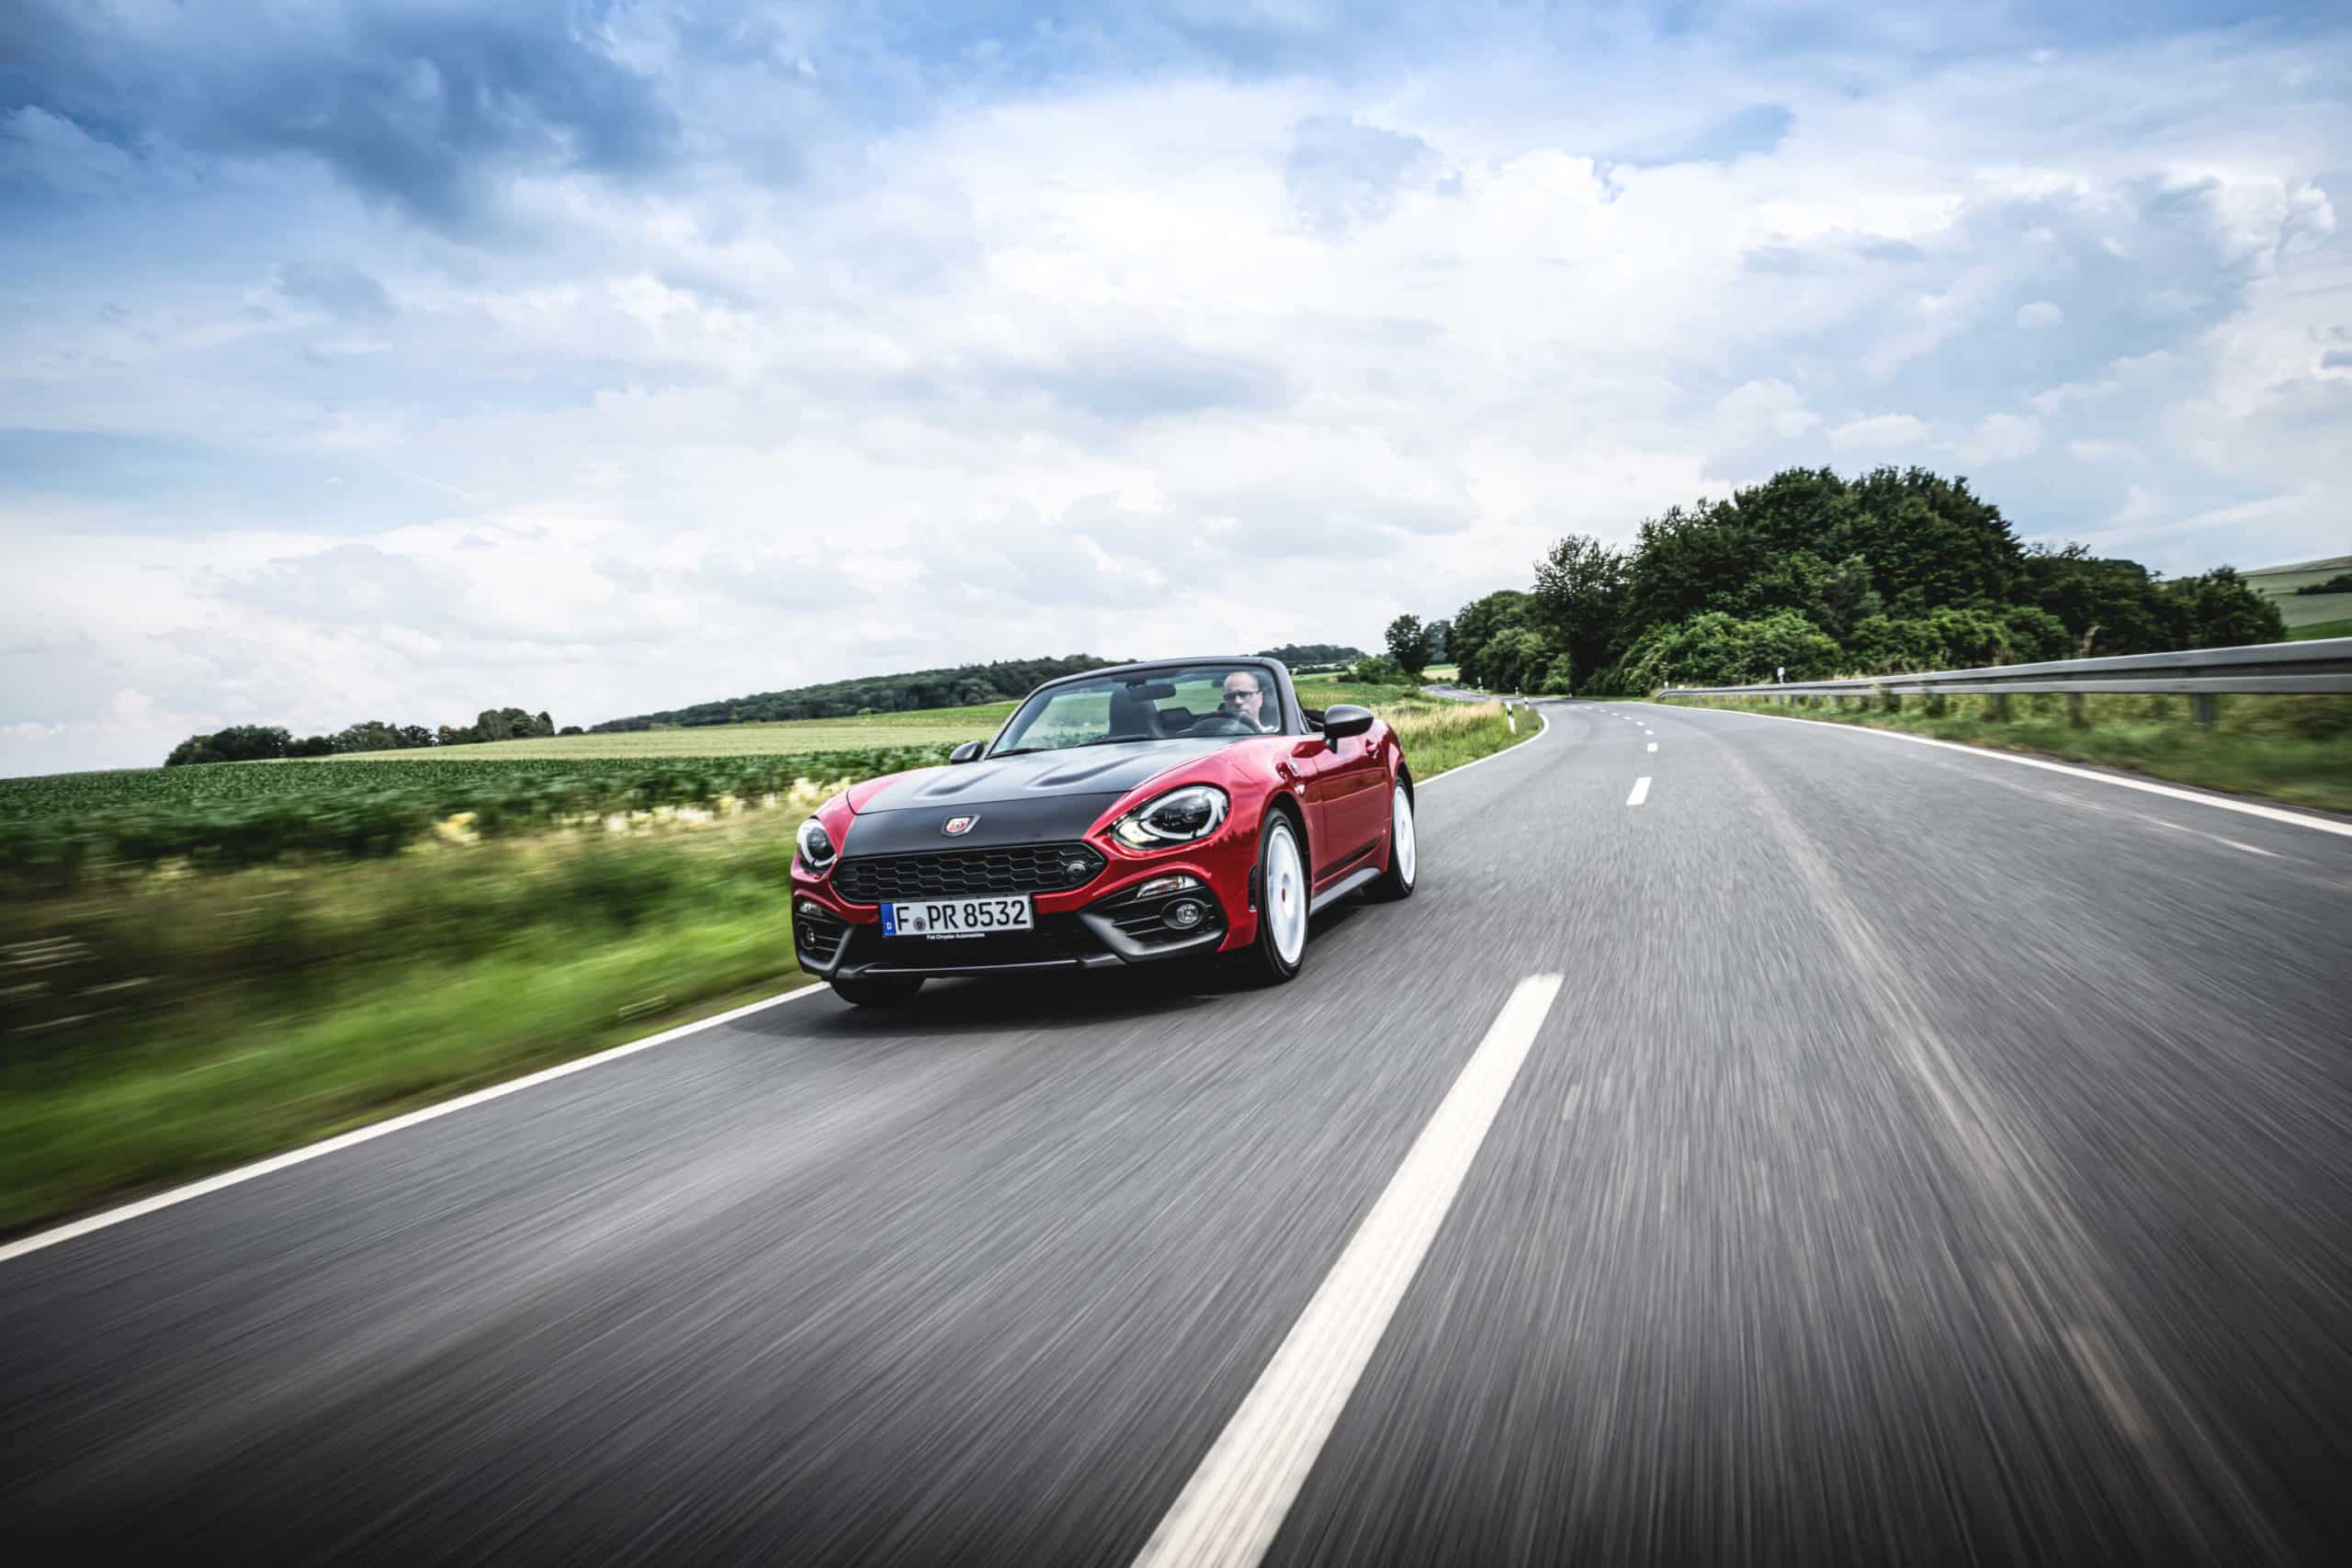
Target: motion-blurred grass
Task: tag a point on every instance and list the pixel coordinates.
(157, 1026)
(160, 1031)
(2294, 748)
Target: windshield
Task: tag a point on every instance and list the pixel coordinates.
(1194, 700)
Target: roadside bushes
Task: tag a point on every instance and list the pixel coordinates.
(1716, 649)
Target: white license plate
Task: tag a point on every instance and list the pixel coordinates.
(951, 917)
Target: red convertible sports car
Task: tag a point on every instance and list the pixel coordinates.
(1133, 815)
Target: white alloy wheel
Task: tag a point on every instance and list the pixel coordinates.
(1400, 835)
(1285, 905)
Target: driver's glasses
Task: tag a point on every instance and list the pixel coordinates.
(1240, 695)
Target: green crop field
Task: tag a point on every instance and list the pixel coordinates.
(218, 815)
(56, 829)
(2307, 614)
(923, 727)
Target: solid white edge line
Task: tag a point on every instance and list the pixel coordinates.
(2245, 807)
(105, 1218)
(1641, 790)
(1545, 728)
(1229, 1510)
(243, 1173)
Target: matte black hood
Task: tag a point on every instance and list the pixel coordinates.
(1037, 798)
(1077, 769)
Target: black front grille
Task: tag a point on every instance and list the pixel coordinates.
(957, 873)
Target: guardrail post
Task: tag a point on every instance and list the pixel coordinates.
(1997, 707)
(2205, 707)
(2075, 710)
(1935, 704)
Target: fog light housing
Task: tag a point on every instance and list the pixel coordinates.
(1183, 914)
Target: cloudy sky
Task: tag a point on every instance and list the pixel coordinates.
(398, 358)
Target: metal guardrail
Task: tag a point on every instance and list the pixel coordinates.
(2270, 668)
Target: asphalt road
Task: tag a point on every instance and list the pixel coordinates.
(1924, 1158)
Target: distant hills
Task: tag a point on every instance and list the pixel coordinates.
(961, 686)
(2307, 614)
(965, 685)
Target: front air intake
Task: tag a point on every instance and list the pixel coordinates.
(958, 874)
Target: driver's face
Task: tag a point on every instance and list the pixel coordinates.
(1242, 692)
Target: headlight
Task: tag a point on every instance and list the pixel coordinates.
(817, 850)
(1177, 818)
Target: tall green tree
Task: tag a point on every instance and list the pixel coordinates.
(2218, 610)
(1408, 644)
(1479, 623)
(1516, 659)
(1580, 602)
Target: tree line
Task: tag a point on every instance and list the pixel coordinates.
(966, 685)
(1824, 575)
(263, 742)
(1311, 655)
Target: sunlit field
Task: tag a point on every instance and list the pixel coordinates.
(922, 726)
(2307, 614)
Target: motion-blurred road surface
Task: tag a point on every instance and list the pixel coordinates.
(1923, 1158)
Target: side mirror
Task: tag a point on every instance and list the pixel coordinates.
(967, 752)
(1343, 719)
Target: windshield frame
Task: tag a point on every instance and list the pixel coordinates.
(1286, 712)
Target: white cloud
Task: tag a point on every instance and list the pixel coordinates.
(1128, 362)
(2001, 438)
(1877, 432)
(2102, 451)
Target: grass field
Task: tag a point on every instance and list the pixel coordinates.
(156, 1026)
(924, 727)
(2307, 614)
(62, 825)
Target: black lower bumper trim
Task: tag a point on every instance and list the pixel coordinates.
(1089, 938)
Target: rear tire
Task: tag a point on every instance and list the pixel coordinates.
(879, 991)
(1404, 847)
(1280, 948)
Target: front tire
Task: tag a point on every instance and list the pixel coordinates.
(1282, 888)
(1404, 850)
(879, 991)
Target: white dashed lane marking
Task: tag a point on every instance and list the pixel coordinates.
(1229, 1512)
(1641, 790)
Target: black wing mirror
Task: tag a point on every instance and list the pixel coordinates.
(967, 752)
(1343, 719)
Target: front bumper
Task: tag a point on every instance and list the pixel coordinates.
(838, 940)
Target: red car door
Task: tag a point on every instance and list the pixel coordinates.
(1358, 811)
(1314, 783)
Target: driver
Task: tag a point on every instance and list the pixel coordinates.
(1245, 700)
